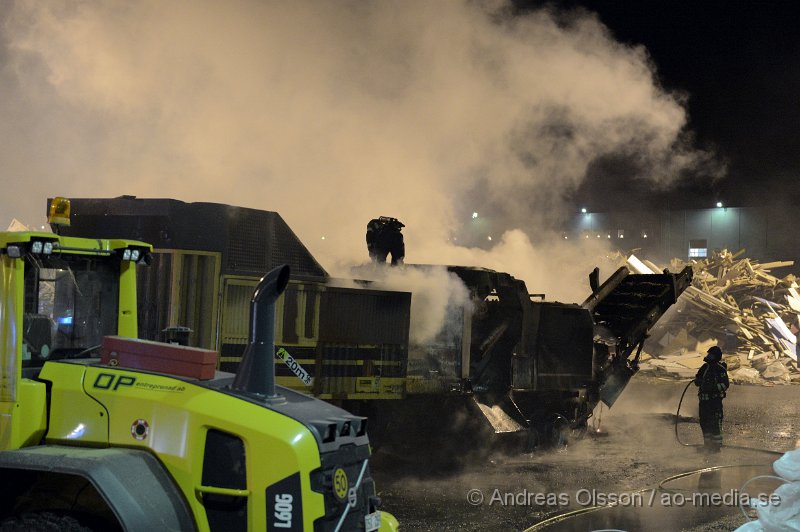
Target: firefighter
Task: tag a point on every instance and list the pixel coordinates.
(712, 382)
(384, 237)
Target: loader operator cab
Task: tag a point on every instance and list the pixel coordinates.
(71, 302)
(64, 295)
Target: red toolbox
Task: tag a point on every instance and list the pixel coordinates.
(171, 359)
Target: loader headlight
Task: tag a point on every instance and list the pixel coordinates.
(41, 247)
(14, 251)
(137, 255)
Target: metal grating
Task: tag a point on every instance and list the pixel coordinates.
(286, 248)
(248, 242)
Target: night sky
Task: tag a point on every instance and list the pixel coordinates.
(738, 66)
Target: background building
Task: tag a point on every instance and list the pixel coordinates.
(767, 233)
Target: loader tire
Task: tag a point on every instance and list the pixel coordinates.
(42, 522)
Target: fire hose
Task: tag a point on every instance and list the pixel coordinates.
(677, 436)
(715, 468)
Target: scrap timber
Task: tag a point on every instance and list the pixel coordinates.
(736, 303)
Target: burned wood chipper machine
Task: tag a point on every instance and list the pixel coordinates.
(538, 367)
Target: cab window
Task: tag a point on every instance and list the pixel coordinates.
(71, 302)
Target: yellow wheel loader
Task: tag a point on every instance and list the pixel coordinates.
(99, 431)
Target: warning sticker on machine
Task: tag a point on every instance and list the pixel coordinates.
(372, 521)
(296, 368)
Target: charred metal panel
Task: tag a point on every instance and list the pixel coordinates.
(561, 346)
(496, 333)
(501, 311)
(354, 316)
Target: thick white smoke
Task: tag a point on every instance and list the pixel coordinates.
(332, 113)
(434, 293)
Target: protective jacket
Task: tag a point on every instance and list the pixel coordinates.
(384, 237)
(712, 380)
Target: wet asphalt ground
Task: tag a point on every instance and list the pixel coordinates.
(629, 457)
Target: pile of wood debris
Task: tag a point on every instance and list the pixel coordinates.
(735, 303)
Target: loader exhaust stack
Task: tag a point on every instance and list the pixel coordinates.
(257, 370)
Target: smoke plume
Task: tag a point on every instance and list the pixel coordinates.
(332, 113)
(435, 293)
